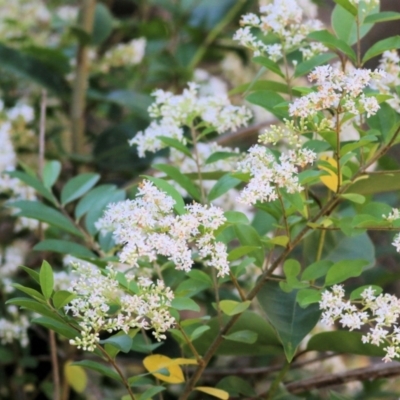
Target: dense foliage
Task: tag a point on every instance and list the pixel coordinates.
(153, 246)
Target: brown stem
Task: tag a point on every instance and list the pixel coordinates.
(78, 101)
(55, 365)
(119, 372)
(376, 371)
(190, 344)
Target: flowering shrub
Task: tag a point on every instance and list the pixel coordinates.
(215, 250)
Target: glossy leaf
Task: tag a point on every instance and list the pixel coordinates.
(244, 336)
(122, 342)
(333, 43)
(176, 144)
(291, 322)
(57, 326)
(269, 64)
(76, 376)
(184, 303)
(33, 182)
(231, 307)
(46, 279)
(248, 236)
(347, 5)
(64, 247)
(181, 179)
(223, 185)
(382, 17)
(62, 297)
(378, 48)
(307, 66)
(343, 342)
(98, 367)
(102, 24)
(218, 393)
(51, 172)
(343, 270)
(91, 199)
(40, 212)
(78, 186)
(157, 362)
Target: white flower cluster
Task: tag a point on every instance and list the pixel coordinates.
(97, 293)
(342, 91)
(379, 312)
(390, 63)
(392, 216)
(122, 55)
(283, 19)
(268, 175)
(15, 329)
(173, 112)
(147, 227)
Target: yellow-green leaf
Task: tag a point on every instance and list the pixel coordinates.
(331, 180)
(231, 307)
(218, 393)
(157, 362)
(75, 376)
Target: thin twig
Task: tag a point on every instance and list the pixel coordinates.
(381, 370)
(78, 101)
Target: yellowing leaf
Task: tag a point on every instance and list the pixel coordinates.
(158, 362)
(220, 394)
(331, 180)
(75, 376)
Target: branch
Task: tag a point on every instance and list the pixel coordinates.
(381, 370)
(78, 101)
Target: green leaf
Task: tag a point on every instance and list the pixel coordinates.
(355, 198)
(151, 392)
(305, 297)
(231, 307)
(391, 43)
(176, 144)
(102, 369)
(223, 185)
(291, 322)
(291, 268)
(34, 183)
(333, 43)
(171, 191)
(377, 183)
(267, 341)
(57, 326)
(382, 17)
(248, 236)
(64, 247)
(30, 292)
(90, 199)
(236, 217)
(268, 99)
(244, 336)
(184, 303)
(241, 251)
(356, 294)
(262, 84)
(61, 298)
(33, 305)
(347, 6)
(46, 279)
(78, 186)
(102, 24)
(40, 212)
(316, 270)
(198, 332)
(307, 66)
(31, 68)
(236, 386)
(384, 121)
(181, 179)
(345, 25)
(343, 270)
(220, 155)
(32, 273)
(51, 172)
(343, 342)
(122, 342)
(269, 64)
